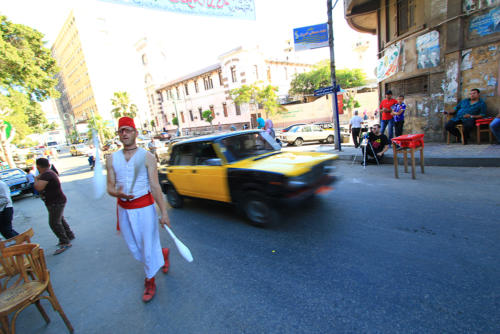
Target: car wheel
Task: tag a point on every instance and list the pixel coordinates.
(330, 139)
(298, 142)
(258, 209)
(174, 199)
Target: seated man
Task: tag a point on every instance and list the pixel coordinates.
(465, 113)
(377, 145)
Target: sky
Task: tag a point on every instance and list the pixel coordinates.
(196, 41)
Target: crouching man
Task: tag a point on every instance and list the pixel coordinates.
(377, 145)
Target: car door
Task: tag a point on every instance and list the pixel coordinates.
(306, 133)
(180, 170)
(209, 176)
(317, 133)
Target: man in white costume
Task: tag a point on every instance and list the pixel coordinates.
(133, 180)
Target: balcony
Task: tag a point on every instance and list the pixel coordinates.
(361, 15)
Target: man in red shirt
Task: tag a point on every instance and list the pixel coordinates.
(386, 111)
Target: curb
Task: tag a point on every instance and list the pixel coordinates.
(435, 161)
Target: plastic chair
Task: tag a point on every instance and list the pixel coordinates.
(483, 121)
(29, 284)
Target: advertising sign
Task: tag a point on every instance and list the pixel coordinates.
(238, 9)
(428, 54)
(311, 37)
(388, 65)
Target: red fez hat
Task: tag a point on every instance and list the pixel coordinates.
(126, 121)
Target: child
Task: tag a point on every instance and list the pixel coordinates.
(399, 115)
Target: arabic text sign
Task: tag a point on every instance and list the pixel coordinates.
(311, 37)
(389, 63)
(323, 91)
(239, 9)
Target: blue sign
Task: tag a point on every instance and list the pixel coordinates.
(238, 9)
(323, 91)
(311, 37)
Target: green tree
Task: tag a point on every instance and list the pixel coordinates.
(97, 123)
(122, 105)
(255, 95)
(27, 72)
(175, 121)
(208, 116)
(307, 83)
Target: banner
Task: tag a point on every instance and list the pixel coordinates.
(312, 37)
(388, 65)
(238, 9)
(428, 53)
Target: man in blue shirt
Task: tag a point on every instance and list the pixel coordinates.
(466, 113)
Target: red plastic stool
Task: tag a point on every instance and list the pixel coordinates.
(483, 121)
(403, 144)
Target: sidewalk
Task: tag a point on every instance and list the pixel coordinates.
(435, 154)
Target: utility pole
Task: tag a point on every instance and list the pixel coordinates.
(335, 109)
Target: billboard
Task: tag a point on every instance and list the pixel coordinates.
(238, 9)
(311, 37)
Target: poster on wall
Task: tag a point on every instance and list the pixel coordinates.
(428, 53)
(466, 60)
(486, 24)
(388, 65)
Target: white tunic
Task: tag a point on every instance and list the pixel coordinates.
(139, 227)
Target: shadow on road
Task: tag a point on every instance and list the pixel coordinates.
(76, 170)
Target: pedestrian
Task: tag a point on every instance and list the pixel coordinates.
(466, 113)
(386, 111)
(355, 128)
(48, 185)
(365, 116)
(399, 115)
(136, 193)
(269, 128)
(152, 149)
(495, 127)
(261, 123)
(6, 212)
(31, 180)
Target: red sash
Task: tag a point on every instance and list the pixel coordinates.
(140, 202)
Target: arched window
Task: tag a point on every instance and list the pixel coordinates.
(144, 59)
(148, 78)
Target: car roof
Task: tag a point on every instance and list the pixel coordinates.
(217, 136)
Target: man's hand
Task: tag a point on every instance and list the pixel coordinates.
(466, 116)
(120, 194)
(164, 220)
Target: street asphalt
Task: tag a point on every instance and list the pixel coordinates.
(376, 255)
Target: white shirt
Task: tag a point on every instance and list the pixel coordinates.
(356, 121)
(5, 200)
(125, 170)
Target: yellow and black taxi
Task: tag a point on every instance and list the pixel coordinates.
(246, 168)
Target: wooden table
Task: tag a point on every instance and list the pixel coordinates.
(405, 151)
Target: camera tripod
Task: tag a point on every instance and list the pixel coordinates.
(366, 143)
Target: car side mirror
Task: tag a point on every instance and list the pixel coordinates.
(214, 162)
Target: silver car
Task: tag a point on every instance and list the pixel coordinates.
(307, 133)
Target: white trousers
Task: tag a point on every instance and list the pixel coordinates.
(139, 228)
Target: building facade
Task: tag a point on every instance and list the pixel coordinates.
(433, 52)
(209, 89)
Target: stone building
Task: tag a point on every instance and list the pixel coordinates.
(433, 52)
(209, 89)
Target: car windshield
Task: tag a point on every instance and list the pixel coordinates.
(248, 145)
(6, 174)
(294, 129)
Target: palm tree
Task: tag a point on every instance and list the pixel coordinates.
(122, 105)
(98, 124)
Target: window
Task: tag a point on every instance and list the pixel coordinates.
(204, 152)
(286, 73)
(148, 79)
(269, 74)
(233, 73)
(208, 83)
(224, 107)
(238, 109)
(406, 15)
(201, 113)
(256, 71)
(191, 115)
(186, 88)
(177, 94)
(411, 86)
(144, 59)
(212, 110)
(196, 88)
(220, 78)
(182, 116)
(182, 155)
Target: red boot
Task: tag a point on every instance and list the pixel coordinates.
(150, 289)
(165, 252)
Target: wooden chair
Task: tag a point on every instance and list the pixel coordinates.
(27, 285)
(479, 130)
(460, 129)
(19, 239)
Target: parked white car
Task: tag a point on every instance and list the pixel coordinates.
(306, 133)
